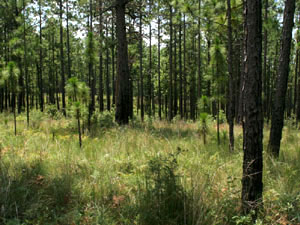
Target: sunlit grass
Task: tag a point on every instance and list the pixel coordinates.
(49, 179)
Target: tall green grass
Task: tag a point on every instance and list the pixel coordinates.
(144, 173)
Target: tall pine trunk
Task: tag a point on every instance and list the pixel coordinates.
(199, 62)
(41, 84)
(25, 66)
(180, 72)
(159, 73)
(264, 83)
(107, 70)
(252, 185)
(101, 103)
(141, 62)
(62, 60)
(282, 79)
(170, 112)
(123, 83)
(231, 97)
(68, 43)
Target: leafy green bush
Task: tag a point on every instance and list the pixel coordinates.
(163, 200)
(222, 117)
(105, 119)
(36, 117)
(53, 113)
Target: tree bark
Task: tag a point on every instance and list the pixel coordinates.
(264, 83)
(41, 85)
(296, 81)
(62, 63)
(123, 83)
(113, 59)
(25, 65)
(101, 103)
(231, 99)
(199, 62)
(180, 71)
(159, 74)
(149, 108)
(92, 83)
(282, 79)
(175, 90)
(68, 43)
(184, 70)
(170, 112)
(141, 62)
(107, 71)
(252, 185)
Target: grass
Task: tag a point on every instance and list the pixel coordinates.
(144, 173)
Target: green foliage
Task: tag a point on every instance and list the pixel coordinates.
(163, 201)
(105, 119)
(53, 112)
(132, 175)
(222, 117)
(244, 220)
(203, 126)
(204, 104)
(11, 74)
(90, 52)
(37, 118)
(77, 90)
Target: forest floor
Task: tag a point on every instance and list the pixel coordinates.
(147, 173)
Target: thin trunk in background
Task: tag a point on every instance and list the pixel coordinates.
(62, 63)
(231, 97)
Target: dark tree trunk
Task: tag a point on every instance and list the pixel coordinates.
(68, 43)
(199, 62)
(175, 105)
(252, 185)
(62, 63)
(238, 54)
(264, 88)
(282, 79)
(296, 82)
(170, 112)
(193, 86)
(159, 74)
(21, 87)
(92, 83)
(113, 59)
(242, 75)
(123, 83)
(184, 70)
(51, 71)
(41, 85)
(298, 94)
(231, 97)
(149, 97)
(289, 103)
(91, 67)
(101, 102)
(141, 62)
(297, 76)
(25, 66)
(14, 111)
(208, 93)
(78, 126)
(180, 72)
(107, 72)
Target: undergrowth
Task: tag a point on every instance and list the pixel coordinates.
(148, 173)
